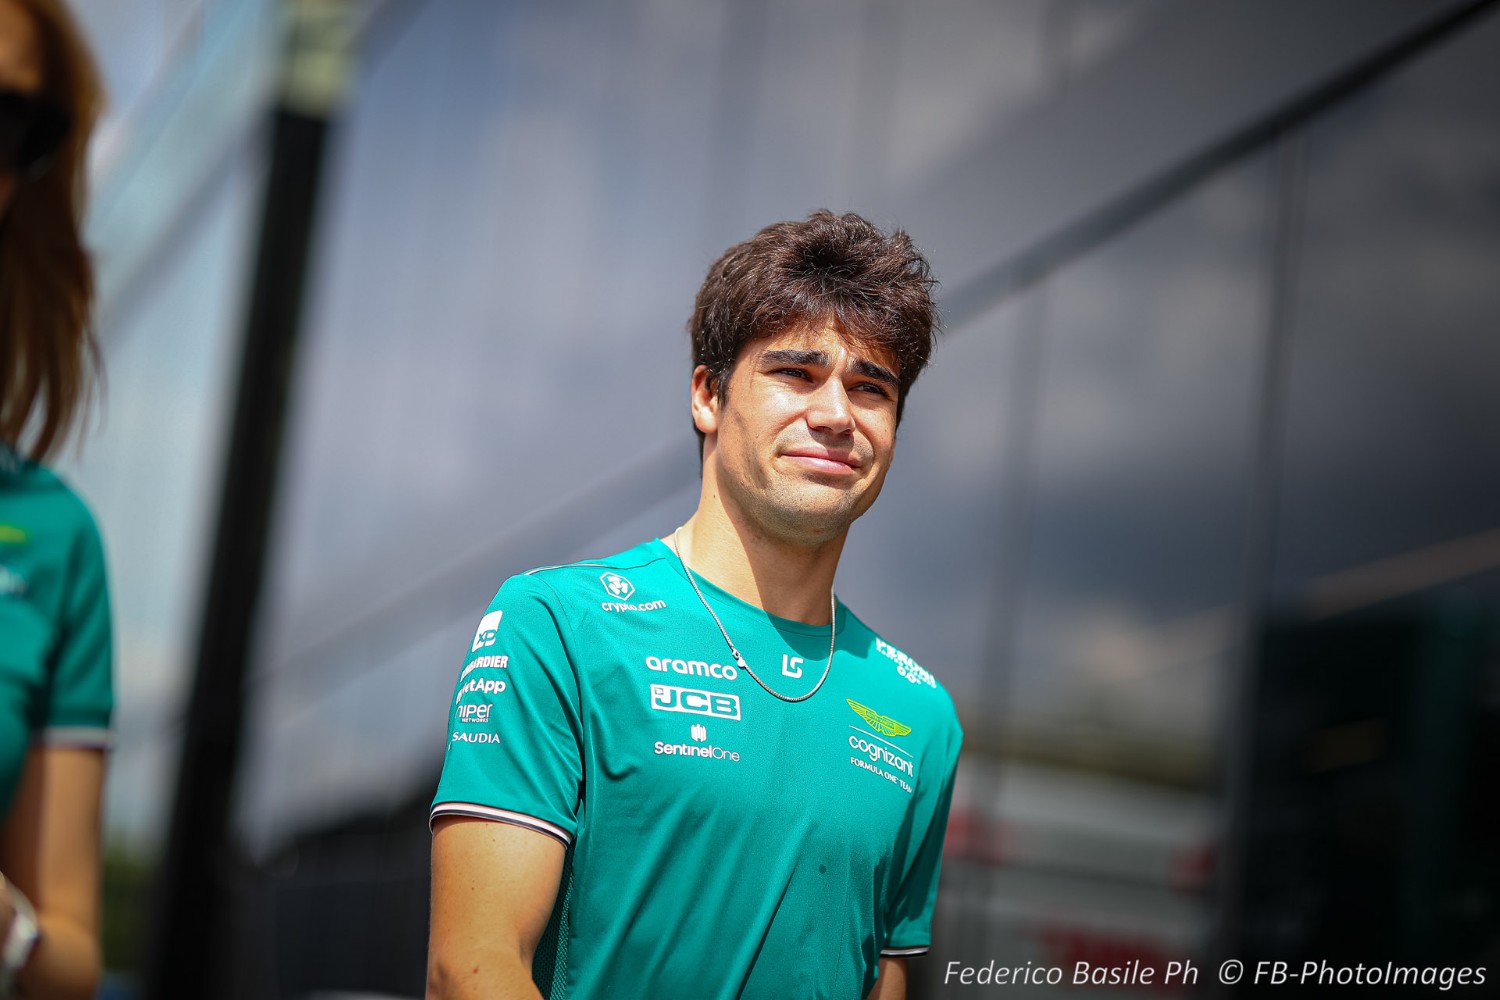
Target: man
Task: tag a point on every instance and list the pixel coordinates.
(686, 771)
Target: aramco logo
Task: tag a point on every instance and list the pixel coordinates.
(618, 587)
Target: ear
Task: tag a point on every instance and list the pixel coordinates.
(705, 400)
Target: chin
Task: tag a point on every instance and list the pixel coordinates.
(820, 519)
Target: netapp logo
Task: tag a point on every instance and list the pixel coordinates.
(666, 698)
(481, 685)
(695, 668)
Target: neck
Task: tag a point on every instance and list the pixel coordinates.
(786, 579)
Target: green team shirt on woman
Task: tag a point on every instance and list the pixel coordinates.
(55, 649)
(721, 842)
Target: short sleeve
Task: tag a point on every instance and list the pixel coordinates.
(80, 687)
(909, 911)
(515, 746)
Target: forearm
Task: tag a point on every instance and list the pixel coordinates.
(892, 982)
(65, 964)
(451, 979)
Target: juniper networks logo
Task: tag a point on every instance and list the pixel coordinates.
(617, 586)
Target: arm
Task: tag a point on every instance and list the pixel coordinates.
(493, 887)
(49, 849)
(892, 982)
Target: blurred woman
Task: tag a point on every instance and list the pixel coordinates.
(55, 692)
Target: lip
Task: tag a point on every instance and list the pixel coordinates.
(823, 461)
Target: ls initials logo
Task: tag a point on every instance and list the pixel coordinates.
(791, 666)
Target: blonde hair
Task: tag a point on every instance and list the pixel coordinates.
(48, 352)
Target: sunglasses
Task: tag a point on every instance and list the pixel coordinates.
(32, 129)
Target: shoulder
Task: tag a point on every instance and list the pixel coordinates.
(633, 575)
(44, 511)
(626, 581)
(552, 604)
(918, 688)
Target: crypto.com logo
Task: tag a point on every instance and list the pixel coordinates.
(618, 587)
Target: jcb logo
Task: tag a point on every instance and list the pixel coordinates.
(666, 698)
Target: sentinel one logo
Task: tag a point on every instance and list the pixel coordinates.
(667, 698)
(708, 751)
(485, 635)
(617, 586)
(905, 665)
(882, 724)
(699, 732)
(694, 668)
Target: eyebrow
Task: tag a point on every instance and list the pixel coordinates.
(817, 359)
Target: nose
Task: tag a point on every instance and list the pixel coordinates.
(828, 408)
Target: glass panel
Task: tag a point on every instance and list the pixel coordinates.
(1146, 429)
(1393, 420)
(1084, 824)
(1372, 816)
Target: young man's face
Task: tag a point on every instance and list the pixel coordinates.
(803, 440)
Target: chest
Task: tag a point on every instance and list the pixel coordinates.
(681, 737)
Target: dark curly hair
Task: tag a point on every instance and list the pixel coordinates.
(876, 289)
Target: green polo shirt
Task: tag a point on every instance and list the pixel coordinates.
(54, 620)
(722, 842)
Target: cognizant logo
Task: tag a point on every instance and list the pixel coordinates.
(694, 668)
(878, 753)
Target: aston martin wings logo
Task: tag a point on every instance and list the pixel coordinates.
(882, 724)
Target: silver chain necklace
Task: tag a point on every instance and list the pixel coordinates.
(734, 650)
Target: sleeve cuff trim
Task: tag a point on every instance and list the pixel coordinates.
(86, 737)
(500, 816)
(904, 952)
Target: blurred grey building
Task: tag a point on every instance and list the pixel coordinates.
(1196, 514)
